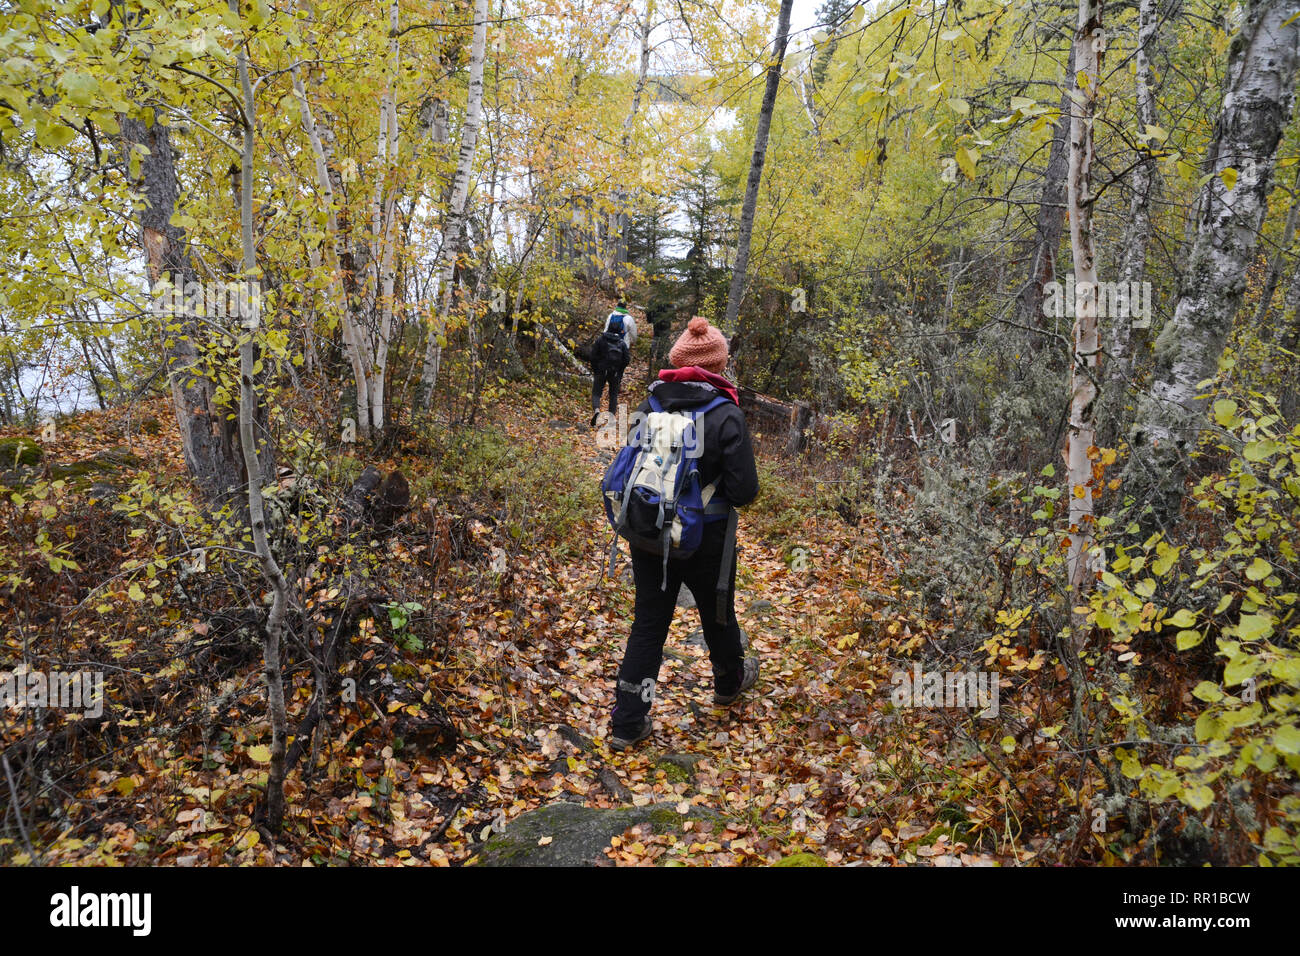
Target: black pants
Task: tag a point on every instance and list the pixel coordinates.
(654, 615)
(599, 378)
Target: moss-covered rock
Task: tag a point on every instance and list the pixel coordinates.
(89, 472)
(575, 835)
(20, 450)
(801, 859)
(678, 768)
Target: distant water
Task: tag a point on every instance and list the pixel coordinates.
(56, 393)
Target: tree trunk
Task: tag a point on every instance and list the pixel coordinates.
(352, 339)
(1279, 260)
(738, 275)
(619, 218)
(208, 436)
(1081, 436)
(1051, 213)
(248, 405)
(1258, 92)
(1138, 231)
(451, 239)
(384, 222)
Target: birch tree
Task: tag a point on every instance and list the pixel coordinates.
(1257, 99)
(619, 215)
(1146, 180)
(353, 343)
(1089, 47)
(741, 266)
(248, 404)
(455, 226)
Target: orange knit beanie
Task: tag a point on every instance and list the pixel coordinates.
(701, 344)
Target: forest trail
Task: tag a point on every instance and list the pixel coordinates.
(810, 761)
(521, 638)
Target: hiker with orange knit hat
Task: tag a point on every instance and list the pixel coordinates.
(715, 471)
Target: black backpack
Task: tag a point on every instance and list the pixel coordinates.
(610, 352)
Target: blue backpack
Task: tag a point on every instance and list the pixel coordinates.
(615, 323)
(654, 495)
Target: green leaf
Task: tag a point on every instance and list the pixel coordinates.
(1181, 618)
(80, 87)
(1129, 765)
(1287, 739)
(966, 160)
(1239, 668)
(1198, 798)
(1186, 640)
(1208, 727)
(1261, 450)
(260, 754)
(1225, 412)
(958, 106)
(1252, 627)
(1207, 691)
(1229, 177)
(1287, 669)
(54, 135)
(1259, 569)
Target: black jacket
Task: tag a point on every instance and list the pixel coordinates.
(609, 354)
(726, 450)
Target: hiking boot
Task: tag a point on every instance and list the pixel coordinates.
(622, 743)
(748, 680)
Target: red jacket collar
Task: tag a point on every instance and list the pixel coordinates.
(693, 373)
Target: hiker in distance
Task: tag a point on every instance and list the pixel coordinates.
(672, 492)
(659, 314)
(610, 354)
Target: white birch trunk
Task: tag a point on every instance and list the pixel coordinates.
(384, 222)
(619, 217)
(1089, 41)
(456, 211)
(1145, 182)
(1258, 92)
(352, 340)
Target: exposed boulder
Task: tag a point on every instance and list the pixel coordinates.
(575, 835)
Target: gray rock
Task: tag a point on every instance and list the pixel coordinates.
(685, 598)
(759, 607)
(578, 835)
